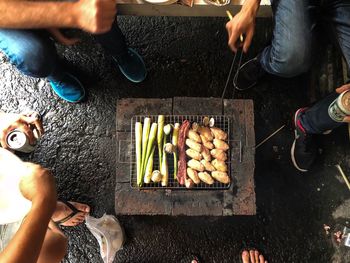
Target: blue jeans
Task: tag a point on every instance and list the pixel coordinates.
(293, 44)
(34, 53)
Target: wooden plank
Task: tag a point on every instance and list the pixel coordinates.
(200, 8)
(240, 199)
(127, 108)
(129, 201)
(197, 106)
(249, 123)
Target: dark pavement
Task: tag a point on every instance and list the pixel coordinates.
(186, 57)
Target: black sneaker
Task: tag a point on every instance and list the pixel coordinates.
(304, 149)
(249, 74)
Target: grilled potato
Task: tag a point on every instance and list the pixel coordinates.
(220, 166)
(208, 166)
(194, 154)
(195, 165)
(221, 145)
(219, 154)
(206, 132)
(194, 145)
(209, 145)
(193, 175)
(222, 177)
(206, 178)
(206, 154)
(194, 136)
(219, 134)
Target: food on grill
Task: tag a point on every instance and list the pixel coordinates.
(206, 154)
(199, 152)
(194, 154)
(169, 148)
(219, 154)
(196, 165)
(138, 141)
(193, 174)
(156, 176)
(181, 173)
(219, 134)
(145, 136)
(149, 168)
(174, 141)
(211, 122)
(208, 166)
(195, 126)
(164, 170)
(189, 183)
(222, 177)
(209, 145)
(206, 178)
(219, 165)
(194, 136)
(194, 145)
(205, 121)
(206, 132)
(221, 145)
(160, 135)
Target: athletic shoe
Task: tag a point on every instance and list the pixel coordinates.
(249, 74)
(304, 149)
(68, 88)
(132, 66)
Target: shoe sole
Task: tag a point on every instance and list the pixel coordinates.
(125, 75)
(293, 145)
(236, 77)
(70, 101)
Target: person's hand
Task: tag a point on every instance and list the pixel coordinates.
(22, 122)
(57, 34)
(242, 24)
(340, 90)
(95, 16)
(38, 186)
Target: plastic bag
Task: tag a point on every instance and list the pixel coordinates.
(109, 234)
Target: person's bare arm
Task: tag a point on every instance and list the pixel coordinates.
(95, 16)
(243, 24)
(39, 187)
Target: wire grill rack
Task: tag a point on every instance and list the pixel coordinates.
(222, 122)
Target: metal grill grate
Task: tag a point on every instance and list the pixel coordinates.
(221, 122)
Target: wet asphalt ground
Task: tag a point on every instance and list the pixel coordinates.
(186, 57)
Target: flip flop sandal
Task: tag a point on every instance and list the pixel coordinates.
(74, 212)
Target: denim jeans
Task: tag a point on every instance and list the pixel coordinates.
(293, 44)
(34, 53)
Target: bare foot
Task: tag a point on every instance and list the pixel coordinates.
(62, 211)
(253, 256)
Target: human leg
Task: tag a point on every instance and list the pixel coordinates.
(290, 51)
(34, 54)
(316, 119)
(54, 247)
(128, 60)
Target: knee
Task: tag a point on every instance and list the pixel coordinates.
(292, 61)
(37, 58)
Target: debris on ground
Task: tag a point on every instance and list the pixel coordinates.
(326, 228)
(338, 236)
